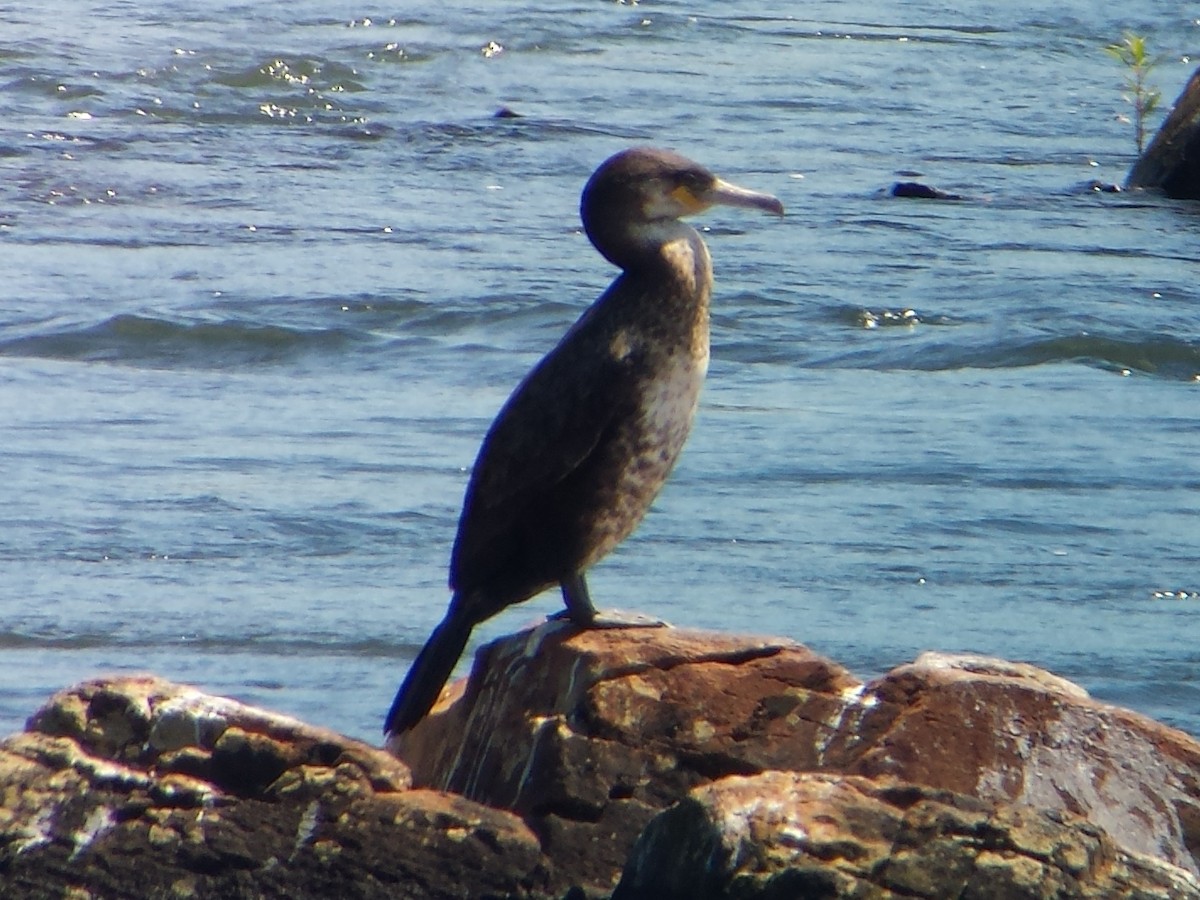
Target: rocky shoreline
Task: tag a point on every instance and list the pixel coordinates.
(640, 762)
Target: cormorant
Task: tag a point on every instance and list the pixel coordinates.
(587, 440)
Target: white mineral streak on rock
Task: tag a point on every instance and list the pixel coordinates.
(38, 832)
(99, 821)
(856, 700)
(306, 828)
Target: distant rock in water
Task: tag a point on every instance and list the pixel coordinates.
(1095, 186)
(1172, 161)
(920, 191)
(867, 318)
(506, 112)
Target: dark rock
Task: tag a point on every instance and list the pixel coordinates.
(136, 787)
(1094, 186)
(887, 318)
(785, 834)
(917, 190)
(1172, 161)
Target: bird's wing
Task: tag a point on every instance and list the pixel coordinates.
(555, 418)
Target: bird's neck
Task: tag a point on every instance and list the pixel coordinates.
(683, 269)
(669, 253)
(673, 279)
(687, 264)
(646, 245)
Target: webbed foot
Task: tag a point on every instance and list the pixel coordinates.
(614, 618)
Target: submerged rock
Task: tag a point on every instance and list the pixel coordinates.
(905, 318)
(1172, 161)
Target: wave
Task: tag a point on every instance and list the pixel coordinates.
(243, 333)
(1160, 355)
(302, 646)
(308, 75)
(165, 343)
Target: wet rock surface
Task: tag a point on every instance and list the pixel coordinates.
(919, 191)
(1009, 732)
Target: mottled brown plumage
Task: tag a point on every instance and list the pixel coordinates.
(585, 443)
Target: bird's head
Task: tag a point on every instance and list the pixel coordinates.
(633, 194)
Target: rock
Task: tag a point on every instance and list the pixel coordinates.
(785, 834)
(1172, 161)
(587, 735)
(1004, 731)
(919, 191)
(136, 787)
(1095, 186)
(767, 769)
(885, 318)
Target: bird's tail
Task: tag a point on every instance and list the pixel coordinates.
(429, 673)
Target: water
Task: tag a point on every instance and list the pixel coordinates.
(270, 270)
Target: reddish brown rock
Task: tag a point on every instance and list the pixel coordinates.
(835, 837)
(136, 787)
(588, 734)
(1006, 732)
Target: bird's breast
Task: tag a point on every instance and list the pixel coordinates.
(668, 403)
(647, 447)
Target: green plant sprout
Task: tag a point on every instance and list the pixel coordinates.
(1131, 53)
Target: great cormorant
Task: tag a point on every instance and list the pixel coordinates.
(578, 453)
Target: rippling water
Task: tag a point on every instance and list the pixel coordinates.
(270, 270)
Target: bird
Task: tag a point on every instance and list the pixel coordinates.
(586, 441)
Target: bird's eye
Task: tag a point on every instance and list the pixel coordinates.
(695, 182)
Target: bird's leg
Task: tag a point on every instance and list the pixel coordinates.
(579, 602)
(583, 615)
